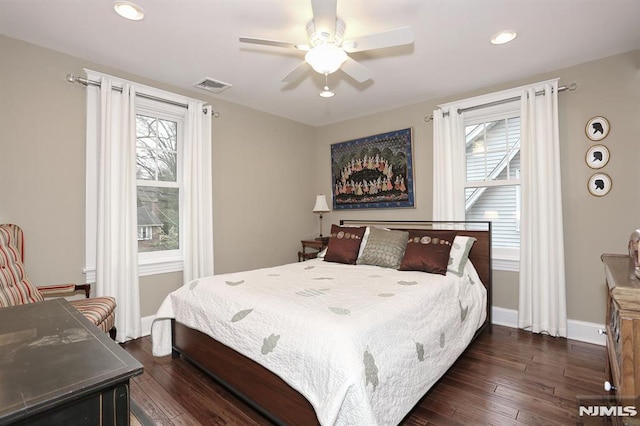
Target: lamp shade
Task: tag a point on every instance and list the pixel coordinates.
(321, 204)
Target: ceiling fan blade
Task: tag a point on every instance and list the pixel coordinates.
(275, 43)
(358, 72)
(397, 37)
(296, 73)
(324, 15)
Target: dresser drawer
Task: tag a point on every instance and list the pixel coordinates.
(613, 331)
(613, 346)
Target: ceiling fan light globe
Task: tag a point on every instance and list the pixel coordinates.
(326, 58)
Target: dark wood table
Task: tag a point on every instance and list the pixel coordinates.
(56, 367)
(318, 244)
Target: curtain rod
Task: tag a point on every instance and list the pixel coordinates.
(570, 87)
(86, 82)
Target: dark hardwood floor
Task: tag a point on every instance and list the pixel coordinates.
(507, 377)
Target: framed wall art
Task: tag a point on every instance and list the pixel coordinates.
(373, 172)
(597, 128)
(597, 156)
(599, 184)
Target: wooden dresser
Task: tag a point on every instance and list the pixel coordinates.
(57, 368)
(623, 328)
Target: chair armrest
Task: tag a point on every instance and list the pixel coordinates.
(64, 289)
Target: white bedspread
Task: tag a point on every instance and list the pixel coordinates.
(362, 343)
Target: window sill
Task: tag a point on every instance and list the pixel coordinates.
(144, 268)
(506, 259)
(509, 265)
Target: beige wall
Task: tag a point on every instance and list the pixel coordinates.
(267, 171)
(263, 173)
(608, 87)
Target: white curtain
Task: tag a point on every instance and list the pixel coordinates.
(448, 150)
(198, 209)
(117, 250)
(542, 298)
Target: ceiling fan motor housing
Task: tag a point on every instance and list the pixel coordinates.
(323, 36)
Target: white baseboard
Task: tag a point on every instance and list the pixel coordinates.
(503, 316)
(586, 332)
(577, 330)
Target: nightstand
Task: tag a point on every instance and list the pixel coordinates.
(316, 244)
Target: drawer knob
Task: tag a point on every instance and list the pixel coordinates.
(608, 386)
(602, 331)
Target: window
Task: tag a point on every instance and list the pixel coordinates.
(159, 177)
(478, 173)
(492, 185)
(144, 233)
(158, 194)
(159, 133)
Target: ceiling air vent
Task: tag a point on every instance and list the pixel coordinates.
(215, 86)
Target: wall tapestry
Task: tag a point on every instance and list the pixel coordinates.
(373, 172)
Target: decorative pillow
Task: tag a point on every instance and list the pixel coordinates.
(460, 254)
(344, 244)
(364, 241)
(321, 253)
(384, 248)
(428, 252)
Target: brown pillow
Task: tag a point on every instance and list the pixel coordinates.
(344, 244)
(428, 251)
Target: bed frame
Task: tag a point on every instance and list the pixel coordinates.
(265, 391)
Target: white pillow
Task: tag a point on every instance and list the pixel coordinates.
(321, 253)
(365, 237)
(459, 254)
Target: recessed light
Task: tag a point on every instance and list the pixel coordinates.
(129, 10)
(503, 37)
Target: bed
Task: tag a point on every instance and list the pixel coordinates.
(331, 342)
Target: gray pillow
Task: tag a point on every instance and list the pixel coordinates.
(384, 248)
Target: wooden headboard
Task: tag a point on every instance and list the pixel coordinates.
(480, 254)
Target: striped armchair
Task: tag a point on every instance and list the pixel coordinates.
(16, 289)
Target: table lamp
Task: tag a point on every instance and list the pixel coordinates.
(321, 207)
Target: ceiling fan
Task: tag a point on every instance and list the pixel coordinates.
(327, 51)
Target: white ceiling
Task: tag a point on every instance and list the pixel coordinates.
(179, 42)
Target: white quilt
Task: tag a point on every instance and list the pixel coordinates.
(362, 343)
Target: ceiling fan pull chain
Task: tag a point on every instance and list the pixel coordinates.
(326, 93)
